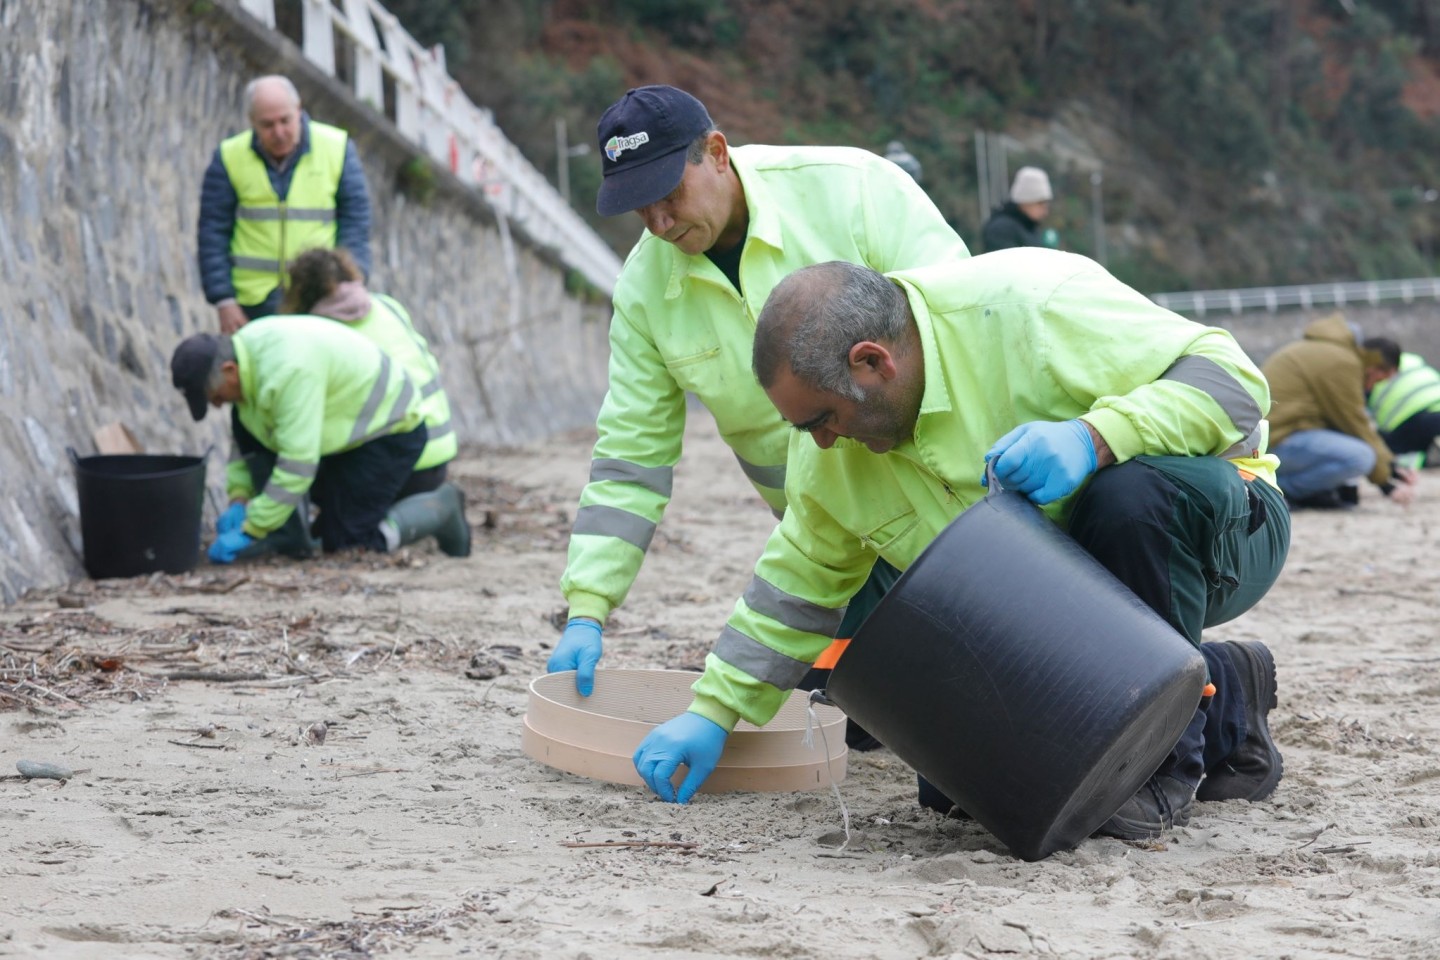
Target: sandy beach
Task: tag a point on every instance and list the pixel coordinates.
(323, 759)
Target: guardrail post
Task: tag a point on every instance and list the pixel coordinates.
(319, 39)
(262, 10)
(369, 85)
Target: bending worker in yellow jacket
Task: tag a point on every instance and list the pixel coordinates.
(724, 225)
(319, 410)
(1403, 394)
(1140, 431)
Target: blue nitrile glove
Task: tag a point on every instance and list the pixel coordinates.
(579, 650)
(689, 739)
(231, 519)
(227, 545)
(1044, 460)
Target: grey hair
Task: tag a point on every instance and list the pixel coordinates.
(224, 353)
(254, 85)
(816, 314)
(696, 151)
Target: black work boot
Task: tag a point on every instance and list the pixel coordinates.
(1254, 769)
(1161, 803)
(1338, 498)
(292, 540)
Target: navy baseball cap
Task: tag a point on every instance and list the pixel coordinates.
(190, 370)
(643, 138)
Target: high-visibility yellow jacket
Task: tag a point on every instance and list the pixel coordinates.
(1011, 337)
(680, 326)
(1414, 388)
(310, 388)
(269, 232)
(389, 327)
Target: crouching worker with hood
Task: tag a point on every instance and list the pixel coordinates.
(1141, 432)
(319, 411)
(327, 283)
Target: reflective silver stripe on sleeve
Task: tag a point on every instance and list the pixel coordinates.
(301, 468)
(1410, 395)
(655, 479)
(280, 495)
(372, 402)
(1248, 447)
(439, 430)
(397, 414)
(1378, 395)
(430, 389)
(772, 477)
(758, 660)
(1206, 375)
(401, 404)
(601, 521)
(769, 600)
(290, 213)
(255, 263)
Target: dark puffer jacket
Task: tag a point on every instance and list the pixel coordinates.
(1009, 227)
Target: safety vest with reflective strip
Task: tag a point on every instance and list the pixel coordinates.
(680, 327)
(270, 232)
(1011, 337)
(311, 388)
(389, 327)
(1414, 389)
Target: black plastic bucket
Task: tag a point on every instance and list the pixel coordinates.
(1017, 675)
(139, 513)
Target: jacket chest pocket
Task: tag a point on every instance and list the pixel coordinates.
(893, 534)
(695, 371)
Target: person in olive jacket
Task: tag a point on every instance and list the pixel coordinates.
(1320, 428)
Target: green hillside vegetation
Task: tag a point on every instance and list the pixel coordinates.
(1241, 142)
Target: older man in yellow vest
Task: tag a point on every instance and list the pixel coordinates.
(284, 186)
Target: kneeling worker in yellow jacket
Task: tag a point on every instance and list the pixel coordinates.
(319, 410)
(1140, 431)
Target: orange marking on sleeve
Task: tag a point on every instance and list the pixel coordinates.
(831, 656)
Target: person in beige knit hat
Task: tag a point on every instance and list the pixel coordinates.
(1017, 222)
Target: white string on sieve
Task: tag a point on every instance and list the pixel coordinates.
(812, 720)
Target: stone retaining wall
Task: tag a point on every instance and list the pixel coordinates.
(109, 112)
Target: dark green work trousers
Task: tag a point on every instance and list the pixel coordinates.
(1200, 545)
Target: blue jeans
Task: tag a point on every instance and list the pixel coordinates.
(1313, 461)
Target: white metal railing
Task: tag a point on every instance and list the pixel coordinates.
(432, 111)
(1370, 292)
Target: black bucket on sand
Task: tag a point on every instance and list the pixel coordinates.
(1017, 675)
(139, 513)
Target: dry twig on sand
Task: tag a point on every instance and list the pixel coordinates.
(677, 844)
(359, 938)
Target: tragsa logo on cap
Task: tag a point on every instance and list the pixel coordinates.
(618, 145)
